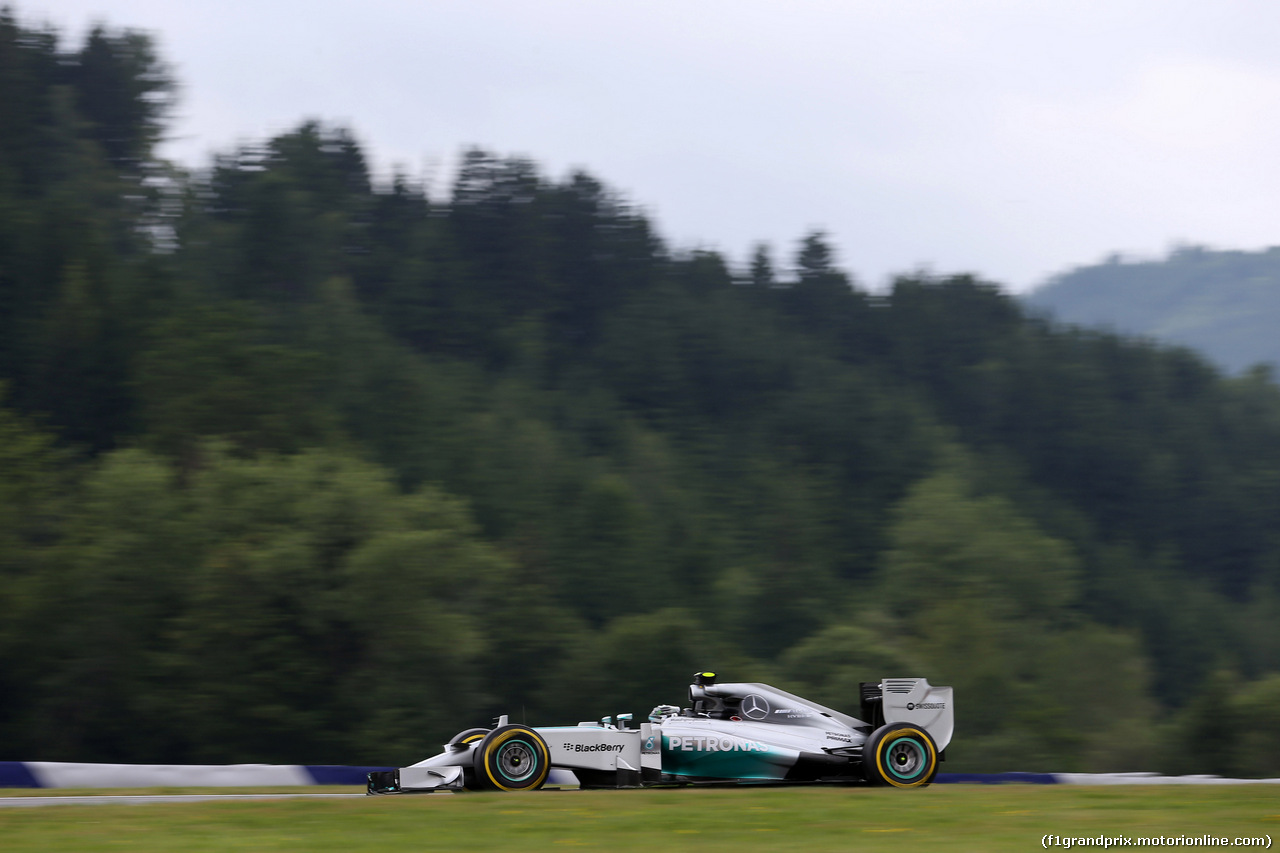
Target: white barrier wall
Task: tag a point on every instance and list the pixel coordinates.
(61, 774)
(1153, 779)
(55, 774)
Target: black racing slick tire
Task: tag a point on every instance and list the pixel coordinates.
(511, 758)
(900, 754)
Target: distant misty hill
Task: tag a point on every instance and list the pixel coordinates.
(1224, 304)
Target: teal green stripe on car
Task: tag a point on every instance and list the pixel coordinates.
(720, 757)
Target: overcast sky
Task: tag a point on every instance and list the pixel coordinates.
(1010, 138)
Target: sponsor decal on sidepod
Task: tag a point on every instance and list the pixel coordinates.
(596, 747)
(703, 743)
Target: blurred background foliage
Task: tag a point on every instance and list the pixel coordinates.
(301, 466)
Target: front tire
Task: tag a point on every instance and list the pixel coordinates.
(512, 758)
(459, 743)
(467, 736)
(901, 755)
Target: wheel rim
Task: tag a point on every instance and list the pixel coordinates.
(517, 761)
(905, 757)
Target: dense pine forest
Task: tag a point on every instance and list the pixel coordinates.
(302, 465)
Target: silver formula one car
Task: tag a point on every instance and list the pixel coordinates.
(746, 733)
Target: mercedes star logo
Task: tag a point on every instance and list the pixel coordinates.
(755, 707)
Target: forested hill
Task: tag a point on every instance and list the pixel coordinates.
(1225, 304)
(298, 465)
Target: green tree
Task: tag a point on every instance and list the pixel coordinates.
(108, 688)
(76, 209)
(948, 544)
(988, 599)
(1257, 751)
(34, 483)
(215, 372)
(125, 93)
(639, 661)
(829, 665)
(329, 612)
(815, 260)
(1197, 739)
(761, 273)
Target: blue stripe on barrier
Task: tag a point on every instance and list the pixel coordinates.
(14, 774)
(339, 774)
(998, 778)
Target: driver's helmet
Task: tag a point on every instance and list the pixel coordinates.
(661, 712)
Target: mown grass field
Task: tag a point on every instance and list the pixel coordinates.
(942, 817)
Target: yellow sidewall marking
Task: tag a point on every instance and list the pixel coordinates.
(894, 735)
(546, 754)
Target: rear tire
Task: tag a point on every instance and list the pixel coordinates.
(900, 754)
(512, 758)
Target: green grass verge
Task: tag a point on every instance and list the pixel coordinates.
(950, 817)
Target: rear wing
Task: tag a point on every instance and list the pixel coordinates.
(910, 700)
